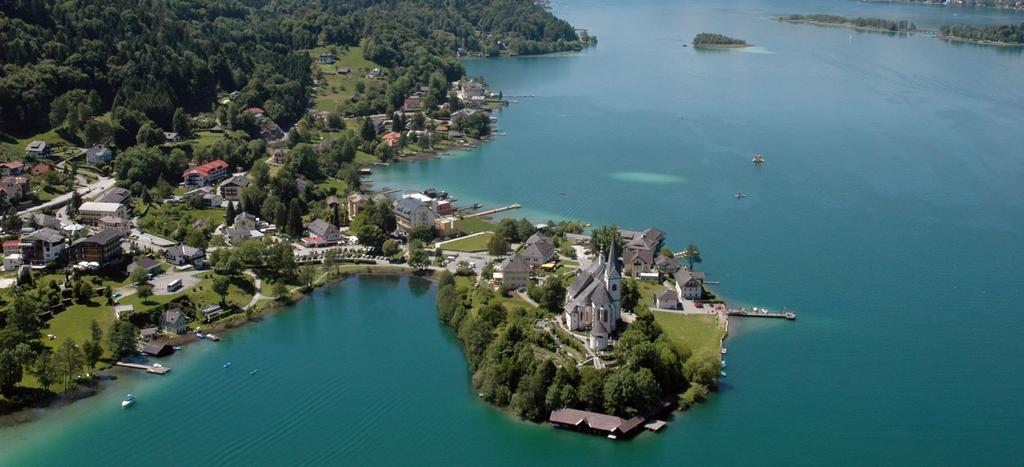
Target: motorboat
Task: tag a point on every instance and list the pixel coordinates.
(128, 401)
(227, 364)
(740, 194)
(213, 337)
(254, 371)
(758, 159)
(723, 374)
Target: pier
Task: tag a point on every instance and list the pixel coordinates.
(495, 210)
(154, 369)
(757, 314)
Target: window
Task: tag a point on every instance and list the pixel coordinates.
(615, 287)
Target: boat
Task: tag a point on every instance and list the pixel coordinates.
(724, 350)
(254, 371)
(213, 337)
(758, 159)
(200, 335)
(128, 401)
(227, 364)
(177, 347)
(723, 374)
(724, 364)
(740, 194)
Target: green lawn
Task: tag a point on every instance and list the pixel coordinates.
(206, 138)
(470, 244)
(335, 90)
(471, 225)
(692, 333)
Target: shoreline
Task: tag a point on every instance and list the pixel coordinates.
(977, 42)
(850, 26)
(722, 46)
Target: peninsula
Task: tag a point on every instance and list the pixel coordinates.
(1007, 35)
(863, 24)
(718, 41)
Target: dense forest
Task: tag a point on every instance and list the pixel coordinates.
(711, 39)
(1003, 33)
(152, 57)
(867, 23)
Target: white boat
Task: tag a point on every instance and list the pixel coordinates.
(758, 159)
(740, 194)
(227, 364)
(253, 372)
(128, 401)
(200, 335)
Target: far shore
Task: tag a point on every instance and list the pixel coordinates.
(978, 42)
(721, 46)
(847, 26)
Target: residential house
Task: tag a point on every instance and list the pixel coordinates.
(354, 204)
(103, 248)
(231, 189)
(538, 249)
(40, 169)
(172, 137)
(463, 113)
(667, 300)
(391, 139)
(322, 233)
(148, 334)
(123, 310)
(277, 156)
(119, 224)
(689, 284)
(667, 264)
(205, 174)
(515, 271)
(411, 213)
(90, 212)
(182, 255)
(256, 113)
(150, 265)
(12, 247)
(640, 250)
(245, 220)
(15, 188)
(270, 131)
(235, 235)
(12, 168)
(343, 70)
(39, 149)
(468, 89)
(117, 195)
(42, 247)
(97, 155)
(37, 220)
(173, 321)
(412, 103)
(12, 262)
(326, 58)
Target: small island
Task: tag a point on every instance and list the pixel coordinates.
(718, 41)
(863, 24)
(1001, 35)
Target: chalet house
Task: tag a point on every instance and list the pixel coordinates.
(515, 271)
(39, 149)
(205, 174)
(37, 219)
(411, 213)
(173, 321)
(246, 221)
(666, 264)
(12, 168)
(98, 155)
(41, 247)
(640, 250)
(172, 137)
(463, 113)
(412, 103)
(16, 188)
(182, 255)
(356, 202)
(326, 59)
(103, 248)
(91, 212)
(689, 284)
(342, 70)
(231, 189)
(468, 89)
(322, 233)
(538, 249)
(667, 300)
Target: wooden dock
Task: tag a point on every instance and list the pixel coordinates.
(495, 210)
(156, 370)
(756, 314)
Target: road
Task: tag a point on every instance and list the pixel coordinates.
(91, 190)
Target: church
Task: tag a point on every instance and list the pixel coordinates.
(594, 300)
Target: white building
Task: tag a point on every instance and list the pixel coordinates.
(91, 212)
(594, 299)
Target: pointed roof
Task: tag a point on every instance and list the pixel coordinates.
(598, 329)
(514, 263)
(612, 270)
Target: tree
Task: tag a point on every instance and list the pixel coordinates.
(69, 362)
(145, 291)
(138, 276)
(601, 239)
(45, 369)
(703, 368)
(150, 135)
(180, 123)
(94, 348)
(692, 255)
(371, 236)
(12, 365)
(85, 292)
(630, 295)
(229, 216)
(497, 245)
(418, 258)
(332, 258)
(553, 295)
(221, 285)
(391, 248)
(294, 227)
(96, 131)
(73, 204)
(121, 338)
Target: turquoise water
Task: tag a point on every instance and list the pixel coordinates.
(888, 214)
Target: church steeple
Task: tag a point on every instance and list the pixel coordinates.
(613, 284)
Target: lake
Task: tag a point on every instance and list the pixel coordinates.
(888, 215)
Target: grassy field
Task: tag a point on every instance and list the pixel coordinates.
(692, 333)
(472, 225)
(206, 138)
(469, 245)
(334, 90)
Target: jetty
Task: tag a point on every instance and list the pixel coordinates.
(495, 210)
(785, 314)
(154, 369)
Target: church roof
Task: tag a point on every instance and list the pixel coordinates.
(598, 329)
